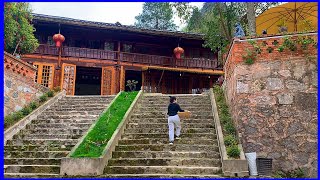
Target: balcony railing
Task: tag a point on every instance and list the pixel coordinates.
(128, 57)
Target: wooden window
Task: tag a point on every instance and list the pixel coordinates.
(109, 46)
(127, 47)
(50, 41)
(44, 74)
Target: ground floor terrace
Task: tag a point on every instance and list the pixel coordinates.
(87, 77)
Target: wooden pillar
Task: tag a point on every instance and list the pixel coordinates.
(200, 82)
(153, 83)
(143, 79)
(122, 78)
(211, 81)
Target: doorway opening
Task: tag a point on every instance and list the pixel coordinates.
(133, 75)
(88, 81)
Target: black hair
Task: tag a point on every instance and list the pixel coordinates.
(172, 98)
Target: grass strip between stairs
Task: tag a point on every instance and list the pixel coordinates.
(97, 139)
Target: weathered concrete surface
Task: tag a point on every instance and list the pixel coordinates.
(274, 105)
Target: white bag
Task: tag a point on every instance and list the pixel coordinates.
(251, 158)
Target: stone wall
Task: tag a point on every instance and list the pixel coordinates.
(274, 104)
(19, 86)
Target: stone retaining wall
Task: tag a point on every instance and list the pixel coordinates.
(274, 104)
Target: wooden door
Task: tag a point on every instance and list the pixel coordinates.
(108, 80)
(68, 78)
(44, 74)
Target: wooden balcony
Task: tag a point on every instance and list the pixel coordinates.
(128, 57)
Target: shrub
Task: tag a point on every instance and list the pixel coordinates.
(225, 119)
(33, 105)
(57, 89)
(26, 110)
(50, 93)
(8, 120)
(233, 151)
(229, 128)
(296, 173)
(17, 116)
(43, 98)
(230, 140)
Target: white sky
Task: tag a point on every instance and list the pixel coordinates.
(109, 12)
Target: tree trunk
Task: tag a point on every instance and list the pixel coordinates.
(228, 36)
(251, 18)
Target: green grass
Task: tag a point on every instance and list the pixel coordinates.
(96, 140)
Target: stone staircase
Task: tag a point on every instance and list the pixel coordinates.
(144, 150)
(36, 151)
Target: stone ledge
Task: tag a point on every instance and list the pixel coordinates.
(230, 167)
(9, 133)
(94, 166)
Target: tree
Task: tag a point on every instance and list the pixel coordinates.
(251, 18)
(156, 16)
(18, 30)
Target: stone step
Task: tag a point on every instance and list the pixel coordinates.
(32, 169)
(151, 116)
(161, 176)
(165, 135)
(165, 141)
(191, 162)
(165, 125)
(77, 109)
(165, 154)
(69, 117)
(165, 108)
(40, 142)
(166, 130)
(73, 113)
(60, 125)
(34, 175)
(165, 120)
(38, 148)
(37, 154)
(74, 131)
(166, 147)
(64, 121)
(47, 136)
(31, 161)
(164, 170)
(164, 113)
(183, 105)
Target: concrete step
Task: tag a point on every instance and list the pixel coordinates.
(72, 113)
(166, 130)
(191, 162)
(183, 105)
(67, 130)
(68, 117)
(166, 147)
(32, 169)
(161, 176)
(39, 142)
(77, 109)
(165, 120)
(165, 125)
(165, 135)
(164, 113)
(37, 154)
(39, 148)
(164, 170)
(152, 115)
(64, 121)
(32, 161)
(165, 108)
(47, 136)
(166, 154)
(165, 141)
(60, 125)
(34, 175)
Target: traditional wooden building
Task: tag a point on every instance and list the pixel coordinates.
(98, 58)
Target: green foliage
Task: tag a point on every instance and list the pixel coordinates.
(18, 31)
(33, 105)
(156, 16)
(50, 93)
(26, 110)
(8, 121)
(229, 130)
(233, 151)
(132, 84)
(296, 173)
(289, 43)
(96, 140)
(280, 49)
(57, 89)
(250, 56)
(43, 98)
(230, 140)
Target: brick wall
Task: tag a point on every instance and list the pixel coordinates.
(274, 104)
(19, 86)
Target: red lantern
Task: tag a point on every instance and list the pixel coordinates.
(58, 38)
(178, 51)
